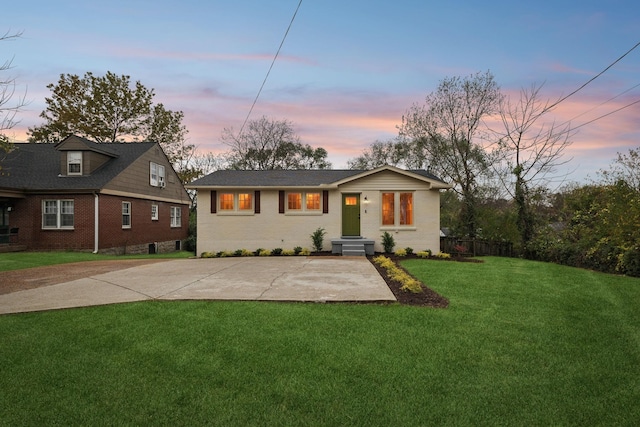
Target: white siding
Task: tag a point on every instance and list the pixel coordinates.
(270, 229)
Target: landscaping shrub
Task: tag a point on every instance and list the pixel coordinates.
(277, 251)
(388, 243)
(443, 255)
(297, 250)
(304, 252)
(288, 252)
(409, 250)
(423, 254)
(407, 283)
(264, 252)
(401, 252)
(317, 237)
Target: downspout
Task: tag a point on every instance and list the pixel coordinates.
(96, 225)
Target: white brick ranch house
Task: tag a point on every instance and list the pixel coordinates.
(247, 209)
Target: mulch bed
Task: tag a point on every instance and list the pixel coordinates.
(427, 298)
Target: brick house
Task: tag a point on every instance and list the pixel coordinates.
(87, 196)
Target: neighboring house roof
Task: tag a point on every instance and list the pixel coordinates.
(300, 177)
(36, 167)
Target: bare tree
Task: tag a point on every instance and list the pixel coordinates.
(271, 144)
(530, 152)
(447, 132)
(9, 104)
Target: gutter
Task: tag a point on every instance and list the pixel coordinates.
(96, 225)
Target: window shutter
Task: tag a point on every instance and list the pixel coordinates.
(281, 201)
(325, 201)
(256, 202)
(214, 201)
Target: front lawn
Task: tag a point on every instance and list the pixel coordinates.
(521, 343)
(20, 260)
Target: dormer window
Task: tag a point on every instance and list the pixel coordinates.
(74, 163)
(156, 175)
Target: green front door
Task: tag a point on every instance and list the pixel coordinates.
(351, 214)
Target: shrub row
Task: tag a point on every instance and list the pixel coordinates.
(258, 252)
(408, 283)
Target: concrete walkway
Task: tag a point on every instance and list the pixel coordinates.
(318, 279)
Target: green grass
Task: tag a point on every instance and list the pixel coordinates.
(20, 260)
(522, 343)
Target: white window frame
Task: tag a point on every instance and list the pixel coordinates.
(154, 212)
(236, 203)
(156, 175)
(74, 158)
(397, 210)
(59, 207)
(303, 203)
(126, 213)
(176, 216)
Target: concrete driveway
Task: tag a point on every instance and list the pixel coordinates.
(317, 279)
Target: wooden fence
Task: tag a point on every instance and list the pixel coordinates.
(476, 247)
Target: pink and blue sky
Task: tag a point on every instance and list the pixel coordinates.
(348, 70)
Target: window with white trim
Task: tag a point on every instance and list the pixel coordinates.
(304, 202)
(176, 216)
(154, 212)
(397, 209)
(156, 175)
(126, 214)
(57, 214)
(74, 163)
(235, 202)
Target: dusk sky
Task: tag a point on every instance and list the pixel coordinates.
(347, 71)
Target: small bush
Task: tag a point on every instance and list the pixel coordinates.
(257, 251)
(276, 251)
(409, 250)
(304, 252)
(388, 243)
(297, 250)
(264, 252)
(207, 255)
(288, 252)
(317, 237)
(443, 255)
(401, 252)
(423, 254)
(226, 254)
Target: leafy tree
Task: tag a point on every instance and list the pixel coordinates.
(107, 109)
(8, 109)
(271, 144)
(529, 152)
(378, 154)
(446, 132)
(625, 168)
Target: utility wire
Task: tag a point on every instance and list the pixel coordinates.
(601, 104)
(593, 78)
(608, 114)
(270, 67)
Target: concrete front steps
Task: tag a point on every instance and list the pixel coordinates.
(352, 246)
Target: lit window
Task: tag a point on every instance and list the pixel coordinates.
(244, 201)
(388, 208)
(226, 201)
(351, 201)
(397, 209)
(126, 214)
(176, 216)
(57, 214)
(294, 201)
(406, 208)
(313, 201)
(156, 175)
(154, 212)
(74, 163)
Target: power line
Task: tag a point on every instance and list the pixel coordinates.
(601, 104)
(593, 78)
(608, 114)
(270, 67)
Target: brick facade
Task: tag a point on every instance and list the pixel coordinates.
(26, 215)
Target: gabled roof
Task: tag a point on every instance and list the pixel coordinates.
(36, 167)
(301, 178)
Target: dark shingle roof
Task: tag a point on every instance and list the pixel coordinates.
(283, 178)
(33, 167)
